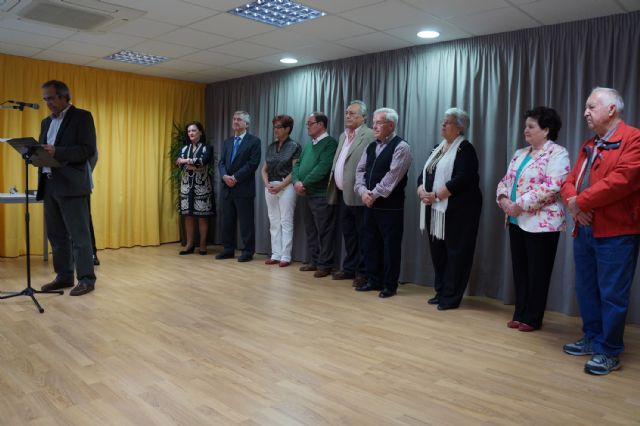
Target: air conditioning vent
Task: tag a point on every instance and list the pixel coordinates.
(85, 15)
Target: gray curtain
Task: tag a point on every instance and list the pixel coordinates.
(495, 78)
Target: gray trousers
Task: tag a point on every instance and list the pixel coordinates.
(319, 224)
(68, 228)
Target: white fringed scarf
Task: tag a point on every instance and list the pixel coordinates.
(444, 170)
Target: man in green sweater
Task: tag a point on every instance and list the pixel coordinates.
(311, 176)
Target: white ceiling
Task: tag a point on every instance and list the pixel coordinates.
(206, 44)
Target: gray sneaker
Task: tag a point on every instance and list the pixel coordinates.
(579, 348)
(601, 364)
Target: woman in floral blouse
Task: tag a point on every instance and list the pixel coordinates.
(528, 195)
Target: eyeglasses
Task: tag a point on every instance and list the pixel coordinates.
(311, 123)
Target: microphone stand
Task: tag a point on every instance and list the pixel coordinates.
(29, 291)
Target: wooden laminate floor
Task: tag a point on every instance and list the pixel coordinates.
(189, 340)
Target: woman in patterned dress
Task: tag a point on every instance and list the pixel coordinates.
(528, 195)
(196, 191)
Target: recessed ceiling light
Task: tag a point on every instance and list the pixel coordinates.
(136, 58)
(279, 13)
(289, 60)
(428, 34)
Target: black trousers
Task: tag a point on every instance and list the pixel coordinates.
(532, 258)
(319, 225)
(238, 210)
(382, 243)
(94, 249)
(67, 220)
(351, 224)
(453, 257)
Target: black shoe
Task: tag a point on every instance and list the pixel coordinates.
(368, 287)
(245, 257)
(225, 255)
(187, 251)
(96, 262)
(386, 293)
(435, 300)
(55, 285)
(81, 288)
(446, 308)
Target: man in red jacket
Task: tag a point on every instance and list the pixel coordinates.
(602, 193)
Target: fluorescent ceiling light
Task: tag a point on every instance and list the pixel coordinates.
(136, 58)
(428, 34)
(279, 13)
(289, 60)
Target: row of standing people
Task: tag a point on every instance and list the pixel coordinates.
(365, 174)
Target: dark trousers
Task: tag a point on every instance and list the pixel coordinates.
(238, 210)
(382, 243)
(351, 224)
(319, 225)
(532, 258)
(94, 249)
(452, 257)
(67, 220)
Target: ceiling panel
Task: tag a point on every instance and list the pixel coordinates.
(495, 21)
(254, 66)
(551, 12)
(331, 28)
(146, 28)
(232, 26)
(376, 42)
(449, 8)
(162, 48)
(18, 49)
(338, 6)
(630, 5)
(117, 41)
(283, 39)
(245, 50)
(65, 57)
(116, 65)
(26, 39)
(194, 38)
(181, 64)
(388, 14)
(170, 11)
(86, 49)
(212, 58)
(35, 27)
(222, 5)
(328, 51)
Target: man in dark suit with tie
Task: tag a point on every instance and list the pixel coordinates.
(69, 135)
(238, 163)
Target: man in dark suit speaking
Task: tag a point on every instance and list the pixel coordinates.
(238, 163)
(68, 135)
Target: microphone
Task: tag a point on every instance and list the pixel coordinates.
(25, 104)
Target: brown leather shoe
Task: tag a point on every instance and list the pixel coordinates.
(271, 262)
(55, 285)
(342, 275)
(81, 288)
(308, 267)
(321, 273)
(358, 281)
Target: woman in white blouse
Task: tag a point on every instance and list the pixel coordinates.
(528, 195)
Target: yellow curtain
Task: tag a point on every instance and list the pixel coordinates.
(132, 202)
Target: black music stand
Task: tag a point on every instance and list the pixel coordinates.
(33, 153)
